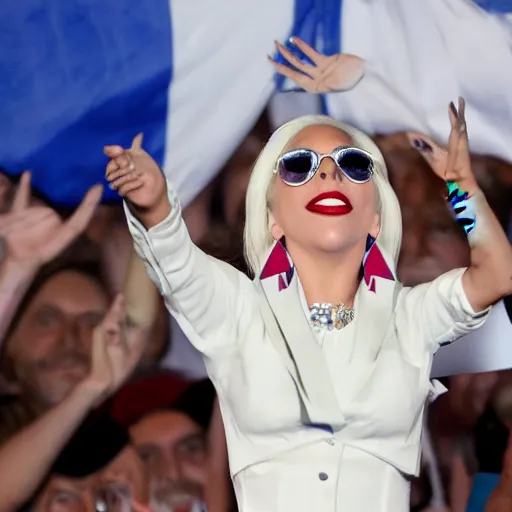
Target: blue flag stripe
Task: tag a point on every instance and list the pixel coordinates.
(495, 6)
(317, 22)
(80, 75)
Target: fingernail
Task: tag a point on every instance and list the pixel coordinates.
(454, 109)
(421, 145)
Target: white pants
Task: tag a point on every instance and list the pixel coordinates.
(322, 477)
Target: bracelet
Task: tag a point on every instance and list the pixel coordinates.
(463, 207)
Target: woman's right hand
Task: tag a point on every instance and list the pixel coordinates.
(139, 180)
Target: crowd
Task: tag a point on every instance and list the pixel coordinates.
(100, 412)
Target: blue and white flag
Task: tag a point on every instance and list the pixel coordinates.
(193, 76)
(419, 57)
(77, 75)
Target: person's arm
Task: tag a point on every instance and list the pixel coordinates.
(201, 292)
(125, 272)
(31, 237)
(459, 301)
(140, 295)
(115, 254)
(489, 277)
(27, 456)
(439, 312)
(14, 282)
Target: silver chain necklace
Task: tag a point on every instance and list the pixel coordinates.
(326, 316)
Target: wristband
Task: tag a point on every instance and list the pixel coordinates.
(463, 207)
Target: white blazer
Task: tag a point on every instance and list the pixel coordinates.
(280, 402)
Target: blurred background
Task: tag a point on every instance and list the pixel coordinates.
(194, 78)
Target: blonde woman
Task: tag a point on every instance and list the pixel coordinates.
(322, 362)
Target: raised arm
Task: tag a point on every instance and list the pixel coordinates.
(203, 294)
(141, 297)
(459, 301)
(489, 276)
(26, 457)
(32, 236)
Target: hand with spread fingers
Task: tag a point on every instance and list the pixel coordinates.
(139, 180)
(333, 73)
(115, 353)
(452, 163)
(34, 235)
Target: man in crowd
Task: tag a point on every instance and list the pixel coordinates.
(98, 468)
(65, 352)
(177, 430)
(49, 307)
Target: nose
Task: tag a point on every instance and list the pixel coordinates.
(170, 468)
(328, 169)
(71, 335)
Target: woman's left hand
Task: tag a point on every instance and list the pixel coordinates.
(452, 163)
(333, 73)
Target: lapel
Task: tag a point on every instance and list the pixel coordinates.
(291, 333)
(301, 353)
(374, 305)
(295, 341)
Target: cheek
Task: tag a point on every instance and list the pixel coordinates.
(131, 472)
(194, 471)
(84, 338)
(27, 345)
(364, 200)
(289, 203)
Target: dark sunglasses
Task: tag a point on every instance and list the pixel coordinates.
(298, 166)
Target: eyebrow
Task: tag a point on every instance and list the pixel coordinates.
(70, 487)
(193, 437)
(55, 308)
(201, 436)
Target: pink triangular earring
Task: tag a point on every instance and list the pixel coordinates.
(374, 264)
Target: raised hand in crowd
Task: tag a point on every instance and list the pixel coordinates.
(34, 235)
(115, 353)
(27, 456)
(139, 180)
(31, 236)
(327, 73)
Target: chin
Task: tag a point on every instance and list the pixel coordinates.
(332, 242)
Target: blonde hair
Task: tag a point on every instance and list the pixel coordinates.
(257, 237)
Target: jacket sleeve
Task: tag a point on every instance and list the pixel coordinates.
(439, 310)
(205, 295)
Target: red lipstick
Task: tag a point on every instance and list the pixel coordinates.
(330, 203)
